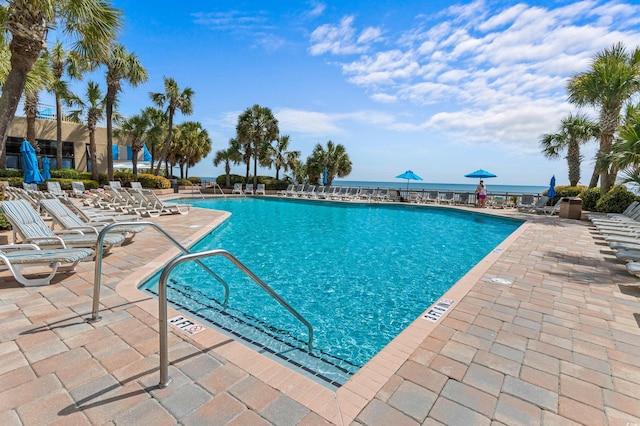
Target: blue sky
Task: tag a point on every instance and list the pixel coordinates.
(438, 87)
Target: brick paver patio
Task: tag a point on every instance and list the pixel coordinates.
(555, 339)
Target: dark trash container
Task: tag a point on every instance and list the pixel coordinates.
(571, 208)
(174, 185)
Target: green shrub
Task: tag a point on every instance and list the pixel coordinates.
(64, 173)
(154, 182)
(590, 197)
(184, 182)
(4, 223)
(10, 173)
(222, 180)
(616, 200)
(195, 180)
(15, 181)
(84, 175)
(565, 191)
(271, 183)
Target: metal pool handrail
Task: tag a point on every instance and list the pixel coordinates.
(162, 301)
(99, 254)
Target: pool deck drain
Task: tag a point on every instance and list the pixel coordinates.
(558, 345)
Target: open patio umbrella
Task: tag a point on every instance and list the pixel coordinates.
(46, 165)
(480, 174)
(409, 175)
(30, 164)
(552, 187)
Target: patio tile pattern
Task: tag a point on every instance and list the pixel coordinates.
(558, 344)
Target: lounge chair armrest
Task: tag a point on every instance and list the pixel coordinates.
(44, 239)
(68, 231)
(10, 247)
(84, 229)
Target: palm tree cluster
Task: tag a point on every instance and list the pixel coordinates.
(27, 67)
(258, 141)
(609, 87)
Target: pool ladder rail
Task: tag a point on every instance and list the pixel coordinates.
(162, 288)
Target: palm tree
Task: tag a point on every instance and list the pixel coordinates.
(121, 65)
(174, 100)
(38, 79)
(283, 158)
(228, 156)
(574, 130)
(626, 150)
(192, 145)
(92, 108)
(611, 81)
(256, 129)
(156, 134)
(92, 24)
(133, 130)
(62, 61)
(334, 159)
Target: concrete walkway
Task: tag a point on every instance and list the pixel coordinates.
(554, 339)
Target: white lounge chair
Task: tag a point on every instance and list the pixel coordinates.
(382, 194)
(237, 188)
(341, 192)
(248, 189)
(165, 207)
(18, 257)
(526, 202)
(77, 189)
(27, 223)
(54, 188)
(539, 205)
(328, 192)
(67, 219)
(447, 197)
(260, 189)
(287, 191)
(550, 210)
(136, 185)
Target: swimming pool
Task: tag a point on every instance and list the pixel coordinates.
(360, 273)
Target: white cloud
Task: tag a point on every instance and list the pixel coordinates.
(511, 127)
(307, 122)
(341, 39)
(317, 9)
(485, 74)
(384, 98)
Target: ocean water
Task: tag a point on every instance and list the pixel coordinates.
(434, 186)
(456, 187)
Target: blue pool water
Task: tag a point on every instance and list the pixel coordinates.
(359, 273)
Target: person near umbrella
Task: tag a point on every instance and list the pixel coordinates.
(481, 194)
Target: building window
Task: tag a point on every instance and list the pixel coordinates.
(45, 148)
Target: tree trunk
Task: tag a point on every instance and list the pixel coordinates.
(30, 112)
(58, 131)
(94, 155)
(595, 177)
(111, 96)
(573, 162)
(24, 53)
(255, 171)
(134, 159)
(165, 146)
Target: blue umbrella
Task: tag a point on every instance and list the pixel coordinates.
(30, 164)
(480, 174)
(325, 176)
(552, 190)
(46, 175)
(409, 175)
